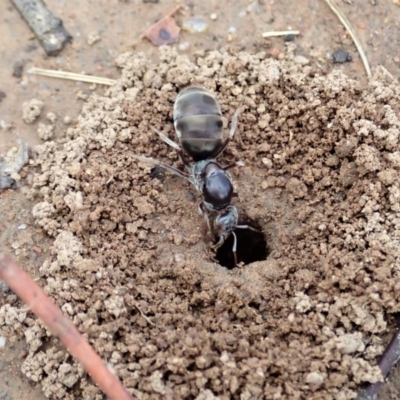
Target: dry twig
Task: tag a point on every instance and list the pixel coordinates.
(347, 25)
(71, 76)
(23, 285)
(48, 28)
(279, 33)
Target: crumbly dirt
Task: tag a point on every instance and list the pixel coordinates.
(131, 263)
(119, 24)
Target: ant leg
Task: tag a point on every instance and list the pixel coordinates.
(234, 124)
(235, 121)
(182, 158)
(247, 227)
(171, 143)
(203, 212)
(166, 139)
(234, 249)
(235, 164)
(219, 243)
(167, 167)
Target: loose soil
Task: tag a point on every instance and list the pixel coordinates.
(131, 262)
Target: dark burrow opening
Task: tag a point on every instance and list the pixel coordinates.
(251, 246)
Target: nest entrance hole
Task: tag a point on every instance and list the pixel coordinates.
(251, 246)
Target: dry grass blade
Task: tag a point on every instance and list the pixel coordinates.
(43, 307)
(279, 33)
(71, 76)
(347, 25)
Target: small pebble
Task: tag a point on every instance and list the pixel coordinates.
(15, 245)
(2, 341)
(264, 185)
(22, 227)
(267, 162)
(6, 126)
(232, 30)
(274, 51)
(213, 16)
(184, 46)
(179, 257)
(341, 56)
(142, 235)
(195, 25)
(265, 147)
(301, 60)
(93, 38)
(231, 34)
(36, 249)
(18, 68)
(51, 117)
(315, 378)
(289, 38)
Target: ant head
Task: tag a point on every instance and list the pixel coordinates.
(226, 222)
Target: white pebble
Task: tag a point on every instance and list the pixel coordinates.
(195, 25)
(315, 378)
(67, 120)
(4, 125)
(183, 46)
(2, 341)
(267, 162)
(179, 257)
(301, 60)
(22, 227)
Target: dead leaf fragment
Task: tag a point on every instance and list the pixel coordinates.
(165, 31)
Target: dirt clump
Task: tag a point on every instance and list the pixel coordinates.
(131, 263)
(31, 110)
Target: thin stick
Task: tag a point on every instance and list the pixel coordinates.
(279, 33)
(23, 285)
(388, 360)
(144, 316)
(71, 76)
(347, 25)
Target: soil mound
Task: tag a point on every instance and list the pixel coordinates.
(131, 263)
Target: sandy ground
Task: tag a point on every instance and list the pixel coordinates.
(131, 263)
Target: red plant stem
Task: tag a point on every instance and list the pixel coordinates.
(44, 308)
